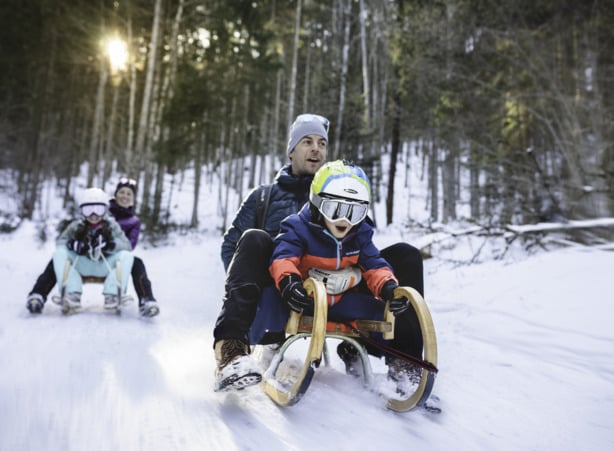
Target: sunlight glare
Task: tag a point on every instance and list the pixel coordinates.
(117, 51)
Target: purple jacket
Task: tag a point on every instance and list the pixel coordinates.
(127, 220)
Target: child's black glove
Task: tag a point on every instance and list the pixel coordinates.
(398, 305)
(78, 247)
(294, 294)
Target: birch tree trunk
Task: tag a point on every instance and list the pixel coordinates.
(433, 180)
(346, 9)
(141, 151)
(278, 152)
(200, 148)
(97, 124)
(164, 97)
(292, 93)
(365, 68)
(130, 166)
(149, 80)
(108, 154)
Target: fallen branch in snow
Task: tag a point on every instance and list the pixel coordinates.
(571, 233)
(555, 226)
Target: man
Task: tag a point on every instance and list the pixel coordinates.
(248, 246)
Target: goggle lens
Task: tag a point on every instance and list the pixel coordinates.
(127, 181)
(93, 209)
(337, 210)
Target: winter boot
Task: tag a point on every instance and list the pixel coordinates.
(351, 358)
(111, 301)
(73, 300)
(148, 307)
(35, 303)
(406, 375)
(235, 368)
(264, 354)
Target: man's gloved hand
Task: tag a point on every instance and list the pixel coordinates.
(78, 247)
(294, 294)
(398, 305)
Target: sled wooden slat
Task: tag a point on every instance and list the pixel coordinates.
(363, 325)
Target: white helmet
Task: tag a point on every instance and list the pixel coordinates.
(93, 196)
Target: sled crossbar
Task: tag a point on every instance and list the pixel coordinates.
(92, 279)
(306, 325)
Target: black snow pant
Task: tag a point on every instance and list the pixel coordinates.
(248, 273)
(142, 285)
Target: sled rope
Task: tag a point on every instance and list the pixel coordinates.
(393, 352)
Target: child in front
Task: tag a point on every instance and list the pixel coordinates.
(93, 243)
(330, 239)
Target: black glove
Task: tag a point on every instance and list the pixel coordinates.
(398, 305)
(108, 248)
(294, 294)
(78, 247)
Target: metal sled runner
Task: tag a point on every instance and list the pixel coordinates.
(318, 329)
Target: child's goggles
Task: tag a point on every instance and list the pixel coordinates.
(336, 210)
(93, 209)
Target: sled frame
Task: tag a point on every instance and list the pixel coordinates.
(318, 328)
(70, 266)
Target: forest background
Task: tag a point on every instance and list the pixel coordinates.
(508, 103)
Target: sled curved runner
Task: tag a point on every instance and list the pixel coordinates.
(427, 379)
(318, 329)
(288, 396)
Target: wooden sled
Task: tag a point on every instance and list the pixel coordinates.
(318, 328)
(69, 266)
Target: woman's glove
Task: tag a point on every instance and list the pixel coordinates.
(294, 294)
(78, 247)
(398, 305)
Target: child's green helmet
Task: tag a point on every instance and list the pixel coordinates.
(342, 180)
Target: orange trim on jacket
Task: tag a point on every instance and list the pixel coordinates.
(302, 245)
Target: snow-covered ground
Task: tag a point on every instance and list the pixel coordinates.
(526, 359)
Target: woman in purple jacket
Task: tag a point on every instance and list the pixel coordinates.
(122, 209)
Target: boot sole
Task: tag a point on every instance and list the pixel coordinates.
(236, 382)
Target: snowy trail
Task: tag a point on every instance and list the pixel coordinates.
(525, 352)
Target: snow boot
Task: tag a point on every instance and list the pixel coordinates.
(35, 303)
(351, 358)
(148, 307)
(111, 301)
(264, 354)
(73, 300)
(406, 375)
(235, 370)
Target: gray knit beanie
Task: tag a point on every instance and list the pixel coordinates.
(304, 125)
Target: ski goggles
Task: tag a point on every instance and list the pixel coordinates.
(93, 209)
(313, 117)
(336, 210)
(127, 181)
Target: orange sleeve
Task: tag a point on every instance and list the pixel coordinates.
(284, 267)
